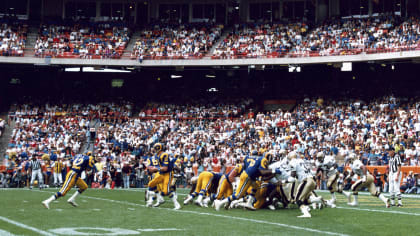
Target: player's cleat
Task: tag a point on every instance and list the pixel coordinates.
(46, 204)
(271, 207)
(399, 205)
(72, 202)
(305, 212)
(250, 203)
(217, 204)
(206, 202)
(188, 200)
(352, 204)
(158, 203)
(149, 202)
(199, 200)
(177, 206)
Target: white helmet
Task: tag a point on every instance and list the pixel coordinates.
(352, 157)
(292, 155)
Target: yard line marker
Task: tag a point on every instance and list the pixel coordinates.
(42, 232)
(382, 211)
(153, 230)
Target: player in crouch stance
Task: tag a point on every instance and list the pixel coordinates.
(80, 164)
(366, 180)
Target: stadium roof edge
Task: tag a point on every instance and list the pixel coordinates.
(394, 56)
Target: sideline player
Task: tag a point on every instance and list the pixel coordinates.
(80, 164)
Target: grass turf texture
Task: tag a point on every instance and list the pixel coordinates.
(125, 210)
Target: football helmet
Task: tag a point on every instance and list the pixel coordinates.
(157, 147)
(268, 156)
(292, 155)
(320, 156)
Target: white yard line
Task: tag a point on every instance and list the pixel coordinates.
(217, 215)
(42, 232)
(382, 211)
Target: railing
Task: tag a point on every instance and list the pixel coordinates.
(283, 54)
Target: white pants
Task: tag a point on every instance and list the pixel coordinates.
(58, 178)
(37, 173)
(394, 186)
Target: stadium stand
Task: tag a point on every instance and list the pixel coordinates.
(92, 41)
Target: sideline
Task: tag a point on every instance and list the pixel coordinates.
(42, 232)
(215, 215)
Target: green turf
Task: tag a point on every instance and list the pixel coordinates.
(125, 210)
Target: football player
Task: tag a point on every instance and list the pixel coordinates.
(204, 183)
(163, 176)
(283, 182)
(327, 163)
(80, 164)
(366, 181)
(303, 195)
(254, 167)
(152, 163)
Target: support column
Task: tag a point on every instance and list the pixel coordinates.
(63, 12)
(370, 12)
(28, 8)
(281, 9)
(42, 10)
(226, 13)
(98, 10)
(135, 13)
(190, 11)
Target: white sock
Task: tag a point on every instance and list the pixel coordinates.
(52, 198)
(383, 198)
(333, 197)
(355, 199)
(174, 197)
(74, 196)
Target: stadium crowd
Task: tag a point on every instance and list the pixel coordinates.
(162, 41)
(334, 37)
(218, 140)
(98, 40)
(12, 38)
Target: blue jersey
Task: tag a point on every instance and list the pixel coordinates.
(174, 162)
(253, 164)
(216, 178)
(153, 161)
(82, 162)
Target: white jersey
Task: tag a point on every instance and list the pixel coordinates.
(328, 165)
(301, 168)
(283, 165)
(357, 168)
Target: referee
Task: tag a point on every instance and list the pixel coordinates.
(36, 172)
(394, 177)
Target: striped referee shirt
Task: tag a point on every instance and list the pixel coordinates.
(35, 165)
(394, 162)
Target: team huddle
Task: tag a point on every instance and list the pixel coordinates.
(257, 181)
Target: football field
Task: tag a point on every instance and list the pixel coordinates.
(122, 212)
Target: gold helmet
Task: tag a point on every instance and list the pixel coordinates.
(157, 147)
(268, 156)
